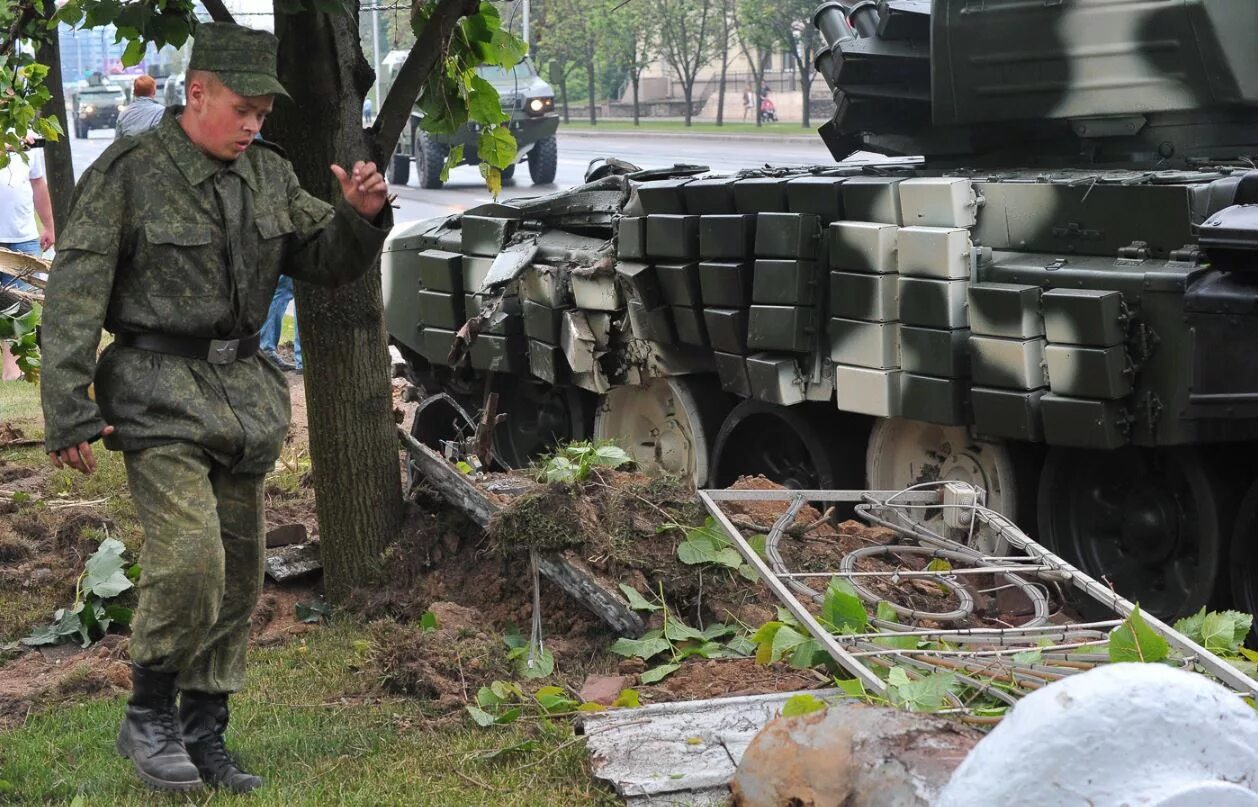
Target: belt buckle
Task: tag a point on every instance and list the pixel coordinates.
(222, 351)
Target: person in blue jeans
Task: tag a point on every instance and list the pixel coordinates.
(270, 334)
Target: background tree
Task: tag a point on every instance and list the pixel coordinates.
(726, 10)
(354, 450)
(558, 49)
(687, 40)
(631, 35)
(785, 25)
(755, 40)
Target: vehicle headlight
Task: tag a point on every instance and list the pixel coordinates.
(88, 109)
(121, 107)
(539, 106)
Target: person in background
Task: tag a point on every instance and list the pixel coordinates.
(23, 195)
(749, 102)
(367, 112)
(141, 114)
(270, 334)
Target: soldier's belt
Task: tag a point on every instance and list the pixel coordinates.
(215, 351)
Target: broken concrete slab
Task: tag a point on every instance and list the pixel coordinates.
(287, 562)
(566, 571)
(1120, 734)
(678, 753)
(852, 755)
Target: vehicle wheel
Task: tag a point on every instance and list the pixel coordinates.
(430, 157)
(80, 129)
(801, 448)
(1243, 560)
(544, 161)
(1150, 522)
(539, 417)
(399, 169)
(667, 423)
(508, 174)
(903, 453)
(438, 418)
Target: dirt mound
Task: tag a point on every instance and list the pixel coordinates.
(41, 678)
(730, 678)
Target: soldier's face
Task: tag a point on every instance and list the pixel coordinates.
(224, 122)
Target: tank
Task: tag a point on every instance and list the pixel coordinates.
(1044, 286)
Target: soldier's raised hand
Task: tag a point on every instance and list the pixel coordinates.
(364, 188)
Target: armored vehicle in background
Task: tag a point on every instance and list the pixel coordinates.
(524, 96)
(1058, 302)
(96, 103)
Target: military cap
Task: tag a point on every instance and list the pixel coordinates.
(242, 58)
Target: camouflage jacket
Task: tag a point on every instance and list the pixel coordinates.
(146, 250)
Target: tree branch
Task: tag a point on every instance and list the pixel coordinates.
(218, 11)
(424, 56)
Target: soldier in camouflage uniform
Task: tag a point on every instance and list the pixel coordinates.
(174, 244)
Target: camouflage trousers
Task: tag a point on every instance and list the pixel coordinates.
(201, 565)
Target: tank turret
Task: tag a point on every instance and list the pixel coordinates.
(1165, 84)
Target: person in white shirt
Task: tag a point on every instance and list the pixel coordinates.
(23, 195)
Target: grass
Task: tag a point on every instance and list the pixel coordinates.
(295, 726)
(781, 129)
(19, 401)
(287, 328)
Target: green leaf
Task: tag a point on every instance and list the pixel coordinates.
(898, 677)
(939, 565)
(454, 158)
(428, 622)
(678, 631)
(802, 704)
(785, 640)
(1134, 640)
(659, 673)
(1028, 658)
(480, 716)
(926, 694)
(591, 706)
(506, 691)
(609, 456)
(628, 698)
(636, 601)
(719, 630)
(896, 641)
(509, 716)
(643, 648)
(483, 105)
(807, 655)
(543, 664)
(103, 572)
(1190, 626)
(554, 699)
(852, 686)
(758, 543)
(496, 146)
(842, 607)
(118, 614)
(133, 53)
(748, 572)
(704, 650)
(313, 612)
(464, 468)
(515, 748)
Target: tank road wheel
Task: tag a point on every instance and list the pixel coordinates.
(905, 452)
(399, 169)
(1243, 560)
(430, 158)
(800, 447)
(539, 417)
(666, 423)
(1150, 522)
(544, 161)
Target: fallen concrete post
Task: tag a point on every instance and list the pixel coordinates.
(852, 755)
(570, 574)
(1121, 734)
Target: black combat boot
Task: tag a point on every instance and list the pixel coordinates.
(203, 716)
(150, 735)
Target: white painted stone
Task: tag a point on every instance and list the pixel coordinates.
(1121, 735)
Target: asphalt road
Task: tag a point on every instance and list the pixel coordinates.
(466, 189)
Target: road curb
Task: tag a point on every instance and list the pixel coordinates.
(729, 138)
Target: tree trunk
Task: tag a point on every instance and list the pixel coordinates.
(353, 442)
(589, 83)
(57, 155)
(636, 77)
(687, 89)
(805, 83)
(720, 91)
(563, 95)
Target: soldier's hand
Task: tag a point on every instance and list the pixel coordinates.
(78, 457)
(364, 188)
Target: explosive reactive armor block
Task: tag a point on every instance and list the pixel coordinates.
(732, 371)
(938, 202)
(821, 196)
(542, 323)
(781, 327)
(1088, 372)
(785, 282)
(760, 195)
(727, 236)
(867, 391)
(712, 195)
(930, 303)
(1007, 413)
(860, 246)
(776, 379)
(1084, 423)
(441, 271)
(679, 283)
(669, 236)
(935, 351)
(868, 297)
(787, 235)
(1007, 310)
(486, 235)
(873, 199)
(663, 196)
(641, 282)
(631, 237)
(935, 400)
(439, 309)
(690, 326)
(865, 344)
(727, 329)
(1084, 317)
(726, 285)
(938, 252)
(1009, 363)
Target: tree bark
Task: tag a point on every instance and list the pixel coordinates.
(563, 92)
(589, 83)
(720, 90)
(57, 155)
(635, 78)
(218, 11)
(687, 89)
(353, 443)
